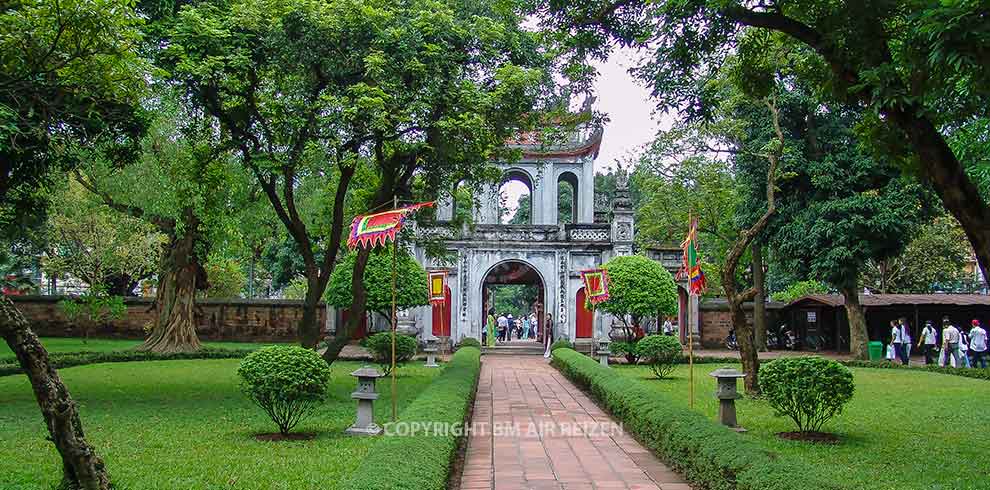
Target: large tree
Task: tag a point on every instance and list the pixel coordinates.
(189, 187)
(68, 71)
(424, 89)
(411, 288)
(918, 67)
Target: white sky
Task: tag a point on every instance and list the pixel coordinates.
(630, 111)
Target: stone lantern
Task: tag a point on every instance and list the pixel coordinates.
(603, 352)
(727, 395)
(366, 395)
(431, 353)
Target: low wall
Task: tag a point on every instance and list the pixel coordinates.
(715, 320)
(242, 320)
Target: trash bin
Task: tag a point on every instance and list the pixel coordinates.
(876, 351)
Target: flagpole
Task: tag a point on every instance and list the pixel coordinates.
(395, 280)
(690, 333)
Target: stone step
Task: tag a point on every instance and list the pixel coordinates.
(516, 348)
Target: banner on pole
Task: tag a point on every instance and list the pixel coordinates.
(438, 286)
(691, 268)
(595, 285)
(374, 229)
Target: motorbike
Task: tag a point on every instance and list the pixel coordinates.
(730, 342)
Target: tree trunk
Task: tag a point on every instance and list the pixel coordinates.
(175, 300)
(748, 353)
(759, 301)
(309, 329)
(81, 467)
(357, 311)
(858, 337)
(948, 177)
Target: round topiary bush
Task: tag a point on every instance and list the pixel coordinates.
(380, 347)
(660, 352)
(469, 342)
(287, 382)
(809, 390)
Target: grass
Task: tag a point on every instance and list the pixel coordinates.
(902, 430)
(73, 344)
(185, 424)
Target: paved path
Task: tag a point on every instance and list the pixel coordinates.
(533, 429)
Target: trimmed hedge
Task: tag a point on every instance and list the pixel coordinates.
(708, 454)
(60, 360)
(976, 373)
(423, 461)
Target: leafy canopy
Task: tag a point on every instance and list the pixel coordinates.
(412, 282)
(639, 287)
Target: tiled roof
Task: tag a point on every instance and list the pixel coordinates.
(900, 299)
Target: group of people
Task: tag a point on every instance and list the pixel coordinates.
(951, 346)
(505, 328)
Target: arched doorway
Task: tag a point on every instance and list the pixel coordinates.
(442, 328)
(514, 287)
(515, 198)
(585, 317)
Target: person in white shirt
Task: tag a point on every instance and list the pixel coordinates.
(503, 327)
(928, 341)
(950, 342)
(905, 340)
(668, 327)
(978, 345)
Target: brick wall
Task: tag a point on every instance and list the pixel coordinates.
(715, 321)
(259, 320)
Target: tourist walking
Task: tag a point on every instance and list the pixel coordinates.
(950, 343)
(964, 347)
(490, 328)
(534, 326)
(548, 336)
(928, 341)
(978, 345)
(668, 327)
(905, 340)
(503, 325)
(525, 328)
(896, 343)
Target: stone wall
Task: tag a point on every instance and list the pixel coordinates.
(715, 321)
(256, 320)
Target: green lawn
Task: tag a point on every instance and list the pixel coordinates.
(72, 344)
(903, 430)
(185, 424)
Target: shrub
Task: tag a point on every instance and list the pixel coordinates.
(561, 344)
(421, 460)
(627, 349)
(380, 347)
(288, 383)
(708, 454)
(469, 342)
(809, 390)
(660, 352)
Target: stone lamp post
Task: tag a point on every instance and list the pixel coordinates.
(366, 395)
(727, 393)
(431, 353)
(603, 350)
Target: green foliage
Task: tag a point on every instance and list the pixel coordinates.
(69, 73)
(660, 352)
(708, 455)
(295, 289)
(469, 342)
(380, 346)
(517, 299)
(93, 243)
(808, 390)
(800, 289)
(561, 344)
(423, 460)
(61, 360)
(639, 287)
(626, 349)
(92, 308)
(226, 277)
(412, 282)
(287, 382)
(13, 279)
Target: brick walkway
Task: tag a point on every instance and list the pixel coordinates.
(533, 429)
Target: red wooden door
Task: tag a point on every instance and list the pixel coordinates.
(585, 317)
(361, 331)
(445, 332)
